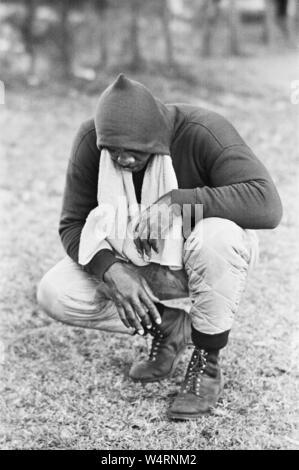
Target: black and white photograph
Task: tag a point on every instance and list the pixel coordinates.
(149, 188)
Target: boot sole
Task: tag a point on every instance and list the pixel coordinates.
(181, 417)
(184, 417)
(166, 376)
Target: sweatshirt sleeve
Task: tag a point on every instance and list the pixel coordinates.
(239, 187)
(80, 197)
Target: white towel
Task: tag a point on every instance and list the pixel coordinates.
(111, 225)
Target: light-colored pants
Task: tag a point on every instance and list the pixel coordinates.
(217, 257)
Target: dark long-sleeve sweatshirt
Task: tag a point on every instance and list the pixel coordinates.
(213, 165)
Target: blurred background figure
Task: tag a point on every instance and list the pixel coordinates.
(41, 39)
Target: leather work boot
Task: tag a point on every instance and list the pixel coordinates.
(201, 388)
(169, 342)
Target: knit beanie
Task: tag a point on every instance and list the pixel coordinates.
(128, 116)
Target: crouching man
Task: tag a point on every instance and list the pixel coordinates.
(136, 157)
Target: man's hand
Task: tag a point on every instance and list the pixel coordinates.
(154, 223)
(133, 297)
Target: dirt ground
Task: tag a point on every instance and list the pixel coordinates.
(67, 388)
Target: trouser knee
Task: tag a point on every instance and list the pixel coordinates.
(216, 258)
(220, 236)
(47, 297)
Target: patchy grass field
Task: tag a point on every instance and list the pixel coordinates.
(67, 388)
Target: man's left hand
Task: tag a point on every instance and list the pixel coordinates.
(154, 223)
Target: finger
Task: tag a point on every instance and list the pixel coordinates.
(176, 210)
(141, 311)
(136, 228)
(141, 226)
(122, 315)
(144, 227)
(132, 318)
(146, 246)
(166, 221)
(149, 298)
(141, 235)
(153, 242)
(152, 309)
(138, 245)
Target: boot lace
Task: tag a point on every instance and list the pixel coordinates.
(156, 342)
(196, 368)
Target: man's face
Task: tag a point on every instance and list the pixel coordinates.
(130, 160)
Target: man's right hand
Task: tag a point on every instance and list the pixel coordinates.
(133, 297)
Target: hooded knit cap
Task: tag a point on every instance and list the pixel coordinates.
(128, 116)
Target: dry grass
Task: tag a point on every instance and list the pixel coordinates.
(67, 388)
